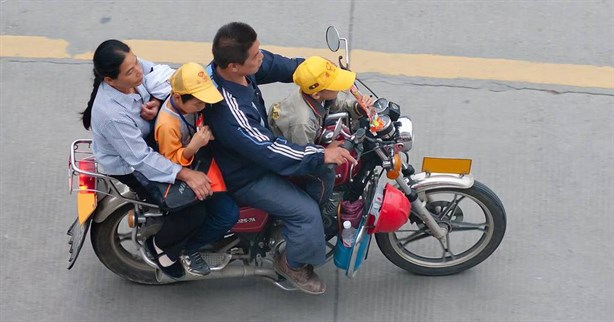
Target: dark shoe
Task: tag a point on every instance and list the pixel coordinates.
(174, 271)
(195, 264)
(304, 278)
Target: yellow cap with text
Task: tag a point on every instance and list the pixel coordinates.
(316, 74)
(191, 78)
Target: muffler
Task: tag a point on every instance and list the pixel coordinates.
(232, 271)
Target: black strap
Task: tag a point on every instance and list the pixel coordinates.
(190, 126)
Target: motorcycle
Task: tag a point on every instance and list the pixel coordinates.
(414, 217)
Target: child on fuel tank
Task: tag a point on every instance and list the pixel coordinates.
(182, 138)
(300, 117)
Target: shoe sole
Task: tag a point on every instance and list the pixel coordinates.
(298, 286)
(186, 267)
(193, 272)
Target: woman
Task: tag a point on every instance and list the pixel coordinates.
(119, 113)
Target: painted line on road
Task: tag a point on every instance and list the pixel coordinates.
(411, 65)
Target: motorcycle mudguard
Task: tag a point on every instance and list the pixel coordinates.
(105, 206)
(424, 181)
(108, 204)
(77, 233)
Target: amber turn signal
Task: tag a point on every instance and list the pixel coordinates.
(131, 219)
(396, 167)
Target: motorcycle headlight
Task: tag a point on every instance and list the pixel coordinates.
(387, 129)
(406, 135)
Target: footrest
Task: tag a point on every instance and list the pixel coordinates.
(216, 261)
(284, 284)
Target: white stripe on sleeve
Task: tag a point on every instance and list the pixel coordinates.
(241, 118)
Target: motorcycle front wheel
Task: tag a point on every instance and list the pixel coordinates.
(112, 243)
(476, 222)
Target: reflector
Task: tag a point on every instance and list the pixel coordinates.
(443, 165)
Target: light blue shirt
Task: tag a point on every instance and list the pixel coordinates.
(119, 135)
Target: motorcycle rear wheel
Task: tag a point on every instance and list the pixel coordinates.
(470, 241)
(112, 243)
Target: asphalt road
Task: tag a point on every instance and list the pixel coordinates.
(546, 150)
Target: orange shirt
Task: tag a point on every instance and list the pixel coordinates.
(172, 135)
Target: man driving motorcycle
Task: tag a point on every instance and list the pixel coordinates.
(254, 160)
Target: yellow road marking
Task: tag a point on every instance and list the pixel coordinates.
(411, 65)
(32, 47)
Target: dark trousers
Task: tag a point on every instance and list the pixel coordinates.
(179, 228)
(303, 229)
(223, 213)
(319, 184)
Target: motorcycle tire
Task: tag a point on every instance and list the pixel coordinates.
(395, 248)
(107, 244)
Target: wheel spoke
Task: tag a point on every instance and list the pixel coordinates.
(451, 209)
(465, 226)
(416, 235)
(445, 245)
(124, 237)
(408, 230)
(444, 258)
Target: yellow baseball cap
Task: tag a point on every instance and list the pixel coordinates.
(191, 78)
(316, 74)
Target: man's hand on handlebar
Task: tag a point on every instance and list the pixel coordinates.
(338, 155)
(335, 144)
(198, 182)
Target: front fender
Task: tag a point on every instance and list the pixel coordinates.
(423, 181)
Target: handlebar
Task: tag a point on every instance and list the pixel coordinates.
(349, 145)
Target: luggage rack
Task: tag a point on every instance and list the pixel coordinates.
(82, 163)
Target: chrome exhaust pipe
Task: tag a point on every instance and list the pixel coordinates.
(227, 272)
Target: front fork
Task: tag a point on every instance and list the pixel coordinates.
(418, 206)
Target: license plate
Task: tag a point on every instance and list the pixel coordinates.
(444, 165)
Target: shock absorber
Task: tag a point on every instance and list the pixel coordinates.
(420, 210)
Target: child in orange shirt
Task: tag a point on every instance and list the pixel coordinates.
(180, 136)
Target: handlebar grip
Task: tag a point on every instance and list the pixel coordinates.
(348, 145)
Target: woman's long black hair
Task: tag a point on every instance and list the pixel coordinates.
(107, 59)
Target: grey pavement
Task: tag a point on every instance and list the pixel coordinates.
(547, 151)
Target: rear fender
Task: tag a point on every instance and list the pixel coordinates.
(423, 181)
(108, 204)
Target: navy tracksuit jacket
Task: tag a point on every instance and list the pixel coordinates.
(245, 148)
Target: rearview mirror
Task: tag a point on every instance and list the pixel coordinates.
(332, 38)
(337, 129)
